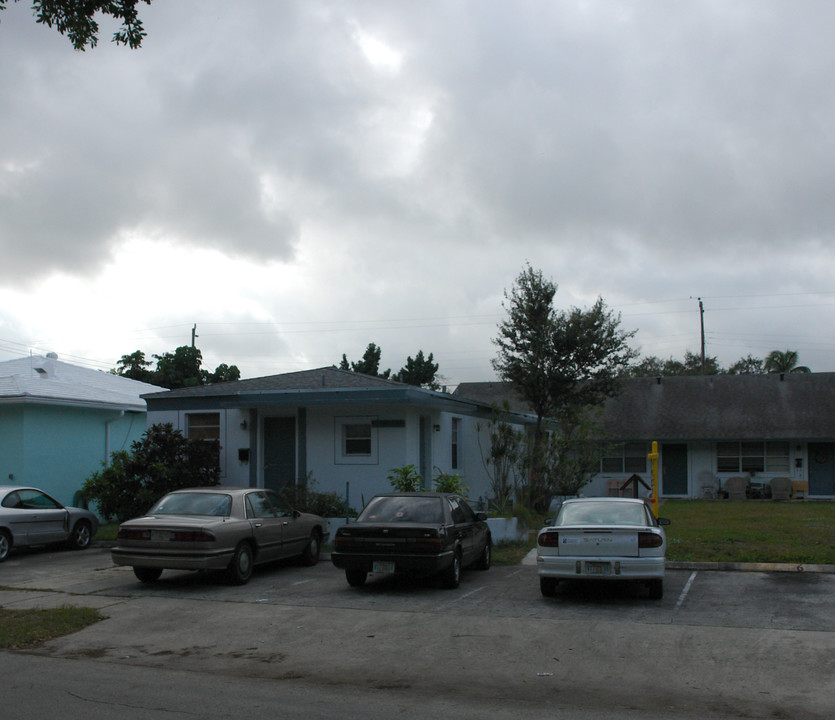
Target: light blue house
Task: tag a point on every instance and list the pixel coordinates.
(59, 422)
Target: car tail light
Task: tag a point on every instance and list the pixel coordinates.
(425, 545)
(649, 540)
(130, 534)
(548, 539)
(191, 536)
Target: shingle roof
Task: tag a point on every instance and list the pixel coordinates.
(321, 378)
(740, 407)
(47, 380)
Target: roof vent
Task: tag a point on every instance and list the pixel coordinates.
(46, 367)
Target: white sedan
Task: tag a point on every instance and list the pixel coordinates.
(603, 539)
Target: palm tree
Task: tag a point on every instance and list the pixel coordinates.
(783, 362)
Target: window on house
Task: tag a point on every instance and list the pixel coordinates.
(752, 457)
(456, 428)
(356, 439)
(203, 426)
(626, 458)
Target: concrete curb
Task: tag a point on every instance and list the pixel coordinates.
(530, 559)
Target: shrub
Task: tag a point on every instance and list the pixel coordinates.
(405, 479)
(161, 461)
(446, 483)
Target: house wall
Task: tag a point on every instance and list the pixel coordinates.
(701, 470)
(57, 448)
(11, 444)
(397, 442)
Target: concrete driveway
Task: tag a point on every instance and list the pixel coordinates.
(721, 643)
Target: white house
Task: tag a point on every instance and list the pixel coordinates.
(344, 429)
(711, 428)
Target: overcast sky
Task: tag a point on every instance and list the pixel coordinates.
(300, 179)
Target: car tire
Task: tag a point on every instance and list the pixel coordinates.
(656, 589)
(486, 556)
(81, 535)
(356, 578)
(5, 545)
(548, 586)
(240, 569)
(310, 556)
(451, 577)
(147, 574)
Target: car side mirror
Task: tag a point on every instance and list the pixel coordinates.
(663, 521)
(481, 516)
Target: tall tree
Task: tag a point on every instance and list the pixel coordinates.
(76, 19)
(784, 362)
(747, 366)
(420, 371)
(135, 366)
(562, 363)
(369, 365)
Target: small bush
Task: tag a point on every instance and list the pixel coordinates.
(405, 479)
(446, 483)
(161, 461)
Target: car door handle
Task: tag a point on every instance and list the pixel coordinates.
(257, 525)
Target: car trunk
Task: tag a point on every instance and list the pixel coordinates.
(406, 538)
(610, 542)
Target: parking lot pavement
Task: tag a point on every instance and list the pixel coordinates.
(733, 644)
(789, 601)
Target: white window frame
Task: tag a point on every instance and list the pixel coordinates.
(192, 430)
(342, 456)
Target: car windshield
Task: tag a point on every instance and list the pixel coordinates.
(193, 504)
(601, 513)
(403, 509)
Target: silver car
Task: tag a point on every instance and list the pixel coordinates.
(217, 528)
(29, 516)
(603, 539)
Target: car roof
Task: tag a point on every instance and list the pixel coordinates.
(417, 494)
(603, 499)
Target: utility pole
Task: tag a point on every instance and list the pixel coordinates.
(702, 318)
(194, 336)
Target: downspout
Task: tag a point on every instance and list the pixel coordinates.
(107, 424)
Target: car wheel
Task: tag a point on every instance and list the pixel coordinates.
(656, 589)
(548, 586)
(81, 535)
(451, 577)
(486, 557)
(356, 578)
(146, 574)
(5, 545)
(240, 569)
(310, 556)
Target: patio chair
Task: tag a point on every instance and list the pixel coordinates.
(708, 483)
(781, 488)
(736, 487)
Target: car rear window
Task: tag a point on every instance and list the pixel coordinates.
(193, 504)
(403, 509)
(602, 513)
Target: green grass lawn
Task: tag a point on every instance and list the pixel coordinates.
(29, 628)
(733, 531)
(750, 531)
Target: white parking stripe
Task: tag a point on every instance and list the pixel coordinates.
(686, 589)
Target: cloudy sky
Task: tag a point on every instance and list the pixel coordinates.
(299, 179)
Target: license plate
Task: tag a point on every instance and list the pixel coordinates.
(160, 535)
(383, 566)
(598, 568)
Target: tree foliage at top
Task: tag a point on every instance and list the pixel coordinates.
(776, 361)
(77, 20)
(182, 368)
(161, 461)
(420, 371)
